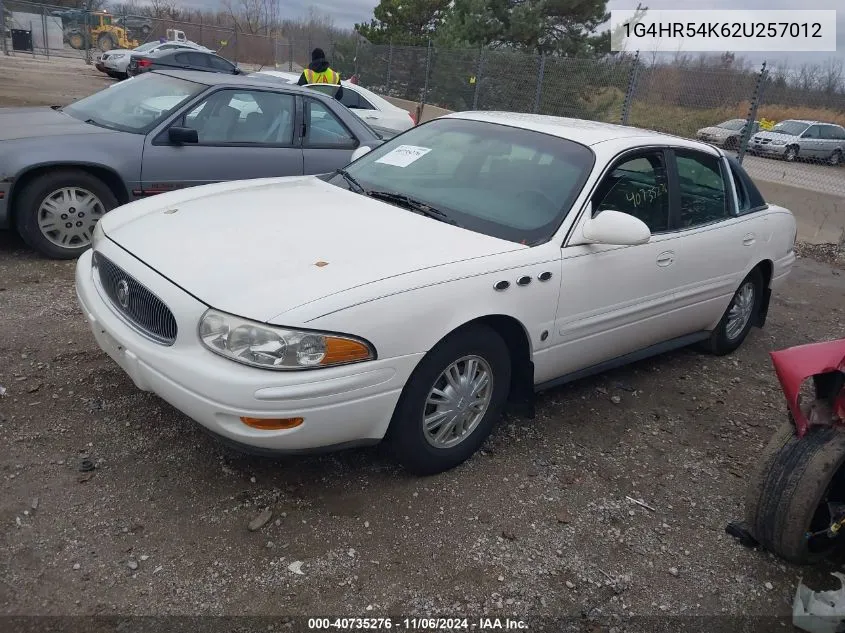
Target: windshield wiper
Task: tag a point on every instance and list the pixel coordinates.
(417, 206)
(99, 124)
(351, 180)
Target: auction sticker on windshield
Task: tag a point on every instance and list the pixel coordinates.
(404, 155)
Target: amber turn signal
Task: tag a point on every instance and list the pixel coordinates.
(273, 424)
(344, 350)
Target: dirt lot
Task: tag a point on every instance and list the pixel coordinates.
(538, 524)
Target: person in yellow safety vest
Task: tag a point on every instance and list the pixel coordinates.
(319, 72)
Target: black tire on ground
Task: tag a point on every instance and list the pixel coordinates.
(835, 159)
(76, 41)
(791, 154)
(719, 342)
(406, 435)
(34, 193)
(105, 42)
(732, 144)
(786, 497)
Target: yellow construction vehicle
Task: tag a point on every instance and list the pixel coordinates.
(102, 33)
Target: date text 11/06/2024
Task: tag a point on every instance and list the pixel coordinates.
(418, 624)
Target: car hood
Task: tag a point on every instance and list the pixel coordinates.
(20, 123)
(262, 247)
(717, 131)
(116, 51)
(775, 136)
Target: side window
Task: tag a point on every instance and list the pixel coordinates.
(351, 99)
(218, 63)
(324, 129)
(243, 116)
(839, 133)
(703, 193)
(639, 187)
(182, 58)
(812, 132)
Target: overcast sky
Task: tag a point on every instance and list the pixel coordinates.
(347, 12)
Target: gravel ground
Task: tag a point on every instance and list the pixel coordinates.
(540, 523)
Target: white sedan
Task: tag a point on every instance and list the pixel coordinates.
(479, 258)
(376, 111)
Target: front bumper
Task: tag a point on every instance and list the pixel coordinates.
(767, 149)
(340, 406)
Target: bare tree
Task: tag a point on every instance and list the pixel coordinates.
(808, 77)
(830, 76)
(253, 16)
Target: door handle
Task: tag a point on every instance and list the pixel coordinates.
(749, 239)
(665, 258)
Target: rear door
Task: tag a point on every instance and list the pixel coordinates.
(715, 245)
(327, 144)
(243, 133)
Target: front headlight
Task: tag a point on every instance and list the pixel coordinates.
(270, 347)
(778, 141)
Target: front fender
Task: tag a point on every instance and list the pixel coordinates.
(795, 365)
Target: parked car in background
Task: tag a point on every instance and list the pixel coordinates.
(795, 139)
(474, 260)
(115, 63)
(727, 134)
(64, 168)
(378, 112)
(179, 59)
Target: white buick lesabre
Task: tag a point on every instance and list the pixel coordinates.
(465, 265)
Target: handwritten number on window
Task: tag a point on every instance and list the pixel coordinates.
(645, 195)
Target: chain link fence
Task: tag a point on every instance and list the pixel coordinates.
(786, 127)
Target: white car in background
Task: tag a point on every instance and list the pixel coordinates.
(114, 63)
(376, 111)
(478, 258)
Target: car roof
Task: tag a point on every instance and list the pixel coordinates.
(579, 130)
(225, 79)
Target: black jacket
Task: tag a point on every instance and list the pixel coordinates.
(320, 66)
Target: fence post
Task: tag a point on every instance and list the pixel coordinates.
(752, 112)
(3, 26)
(290, 56)
(389, 64)
(44, 32)
(86, 33)
(425, 83)
(478, 71)
(629, 92)
(541, 71)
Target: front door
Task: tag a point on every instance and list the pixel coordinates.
(327, 144)
(615, 300)
(243, 133)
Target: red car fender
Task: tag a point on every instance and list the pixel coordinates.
(794, 365)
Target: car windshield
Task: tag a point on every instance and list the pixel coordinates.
(792, 128)
(507, 182)
(136, 105)
(146, 47)
(733, 124)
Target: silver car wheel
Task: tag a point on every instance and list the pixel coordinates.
(740, 311)
(67, 216)
(457, 402)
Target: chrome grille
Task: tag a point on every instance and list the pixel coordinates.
(140, 308)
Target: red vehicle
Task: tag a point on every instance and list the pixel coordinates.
(795, 505)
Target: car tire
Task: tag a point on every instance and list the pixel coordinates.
(32, 198)
(417, 449)
(738, 318)
(732, 144)
(788, 493)
(835, 159)
(791, 154)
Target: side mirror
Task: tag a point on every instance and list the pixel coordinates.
(617, 228)
(359, 152)
(182, 135)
